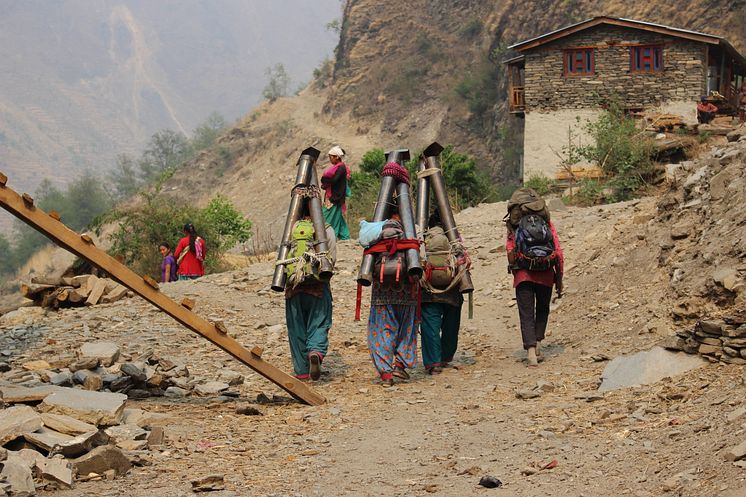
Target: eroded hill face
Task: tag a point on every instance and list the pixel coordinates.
(393, 85)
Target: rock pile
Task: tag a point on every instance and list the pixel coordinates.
(74, 291)
(716, 340)
(70, 434)
(699, 230)
(97, 368)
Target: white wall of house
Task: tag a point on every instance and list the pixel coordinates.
(545, 139)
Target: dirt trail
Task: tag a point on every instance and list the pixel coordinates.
(439, 435)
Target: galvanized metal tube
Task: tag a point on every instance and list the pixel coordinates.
(423, 201)
(446, 213)
(326, 270)
(305, 163)
(381, 213)
(414, 267)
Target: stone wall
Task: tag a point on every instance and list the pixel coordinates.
(682, 78)
(545, 135)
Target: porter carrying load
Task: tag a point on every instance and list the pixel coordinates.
(306, 188)
(395, 256)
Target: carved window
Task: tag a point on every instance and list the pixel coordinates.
(646, 58)
(579, 61)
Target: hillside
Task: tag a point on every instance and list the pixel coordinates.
(84, 81)
(489, 414)
(393, 85)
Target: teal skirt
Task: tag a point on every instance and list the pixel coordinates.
(333, 217)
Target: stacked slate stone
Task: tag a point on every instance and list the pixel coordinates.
(720, 340)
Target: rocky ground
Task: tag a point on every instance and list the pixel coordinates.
(548, 431)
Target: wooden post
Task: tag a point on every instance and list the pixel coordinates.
(68, 239)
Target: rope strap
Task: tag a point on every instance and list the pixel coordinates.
(307, 191)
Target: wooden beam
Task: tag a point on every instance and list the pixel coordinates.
(68, 239)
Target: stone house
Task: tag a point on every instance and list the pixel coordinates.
(558, 80)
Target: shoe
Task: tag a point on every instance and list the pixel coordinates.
(539, 353)
(532, 359)
(435, 370)
(315, 370)
(400, 372)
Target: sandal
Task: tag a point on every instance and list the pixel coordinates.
(400, 372)
(315, 369)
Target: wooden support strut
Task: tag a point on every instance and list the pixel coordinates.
(69, 240)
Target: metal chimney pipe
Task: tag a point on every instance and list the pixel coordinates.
(432, 161)
(326, 269)
(423, 201)
(414, 267)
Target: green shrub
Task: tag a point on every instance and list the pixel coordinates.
(540, 183)
(141, 229)
(621, 150)
(472, 28)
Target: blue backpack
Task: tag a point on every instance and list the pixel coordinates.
(534, 244)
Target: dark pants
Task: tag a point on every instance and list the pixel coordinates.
(706, 117)
(439, 327)
(533, 309)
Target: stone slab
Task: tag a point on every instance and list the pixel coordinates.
(18, 475)
(17, 420)
(98, 408)
(17, 395)
(66, 424)
(81, 444)
(46, 439)
(646, 367)
(102, 459)
(56, 470)
(106, 352)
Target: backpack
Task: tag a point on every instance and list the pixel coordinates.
(439, 270)
(534, 244)
(524, 202)
(390, 269)
(301, 242)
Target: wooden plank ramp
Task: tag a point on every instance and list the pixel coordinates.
(81, 245)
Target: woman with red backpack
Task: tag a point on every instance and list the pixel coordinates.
(190, 254)
(536, 261)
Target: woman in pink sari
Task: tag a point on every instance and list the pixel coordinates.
(334, 182)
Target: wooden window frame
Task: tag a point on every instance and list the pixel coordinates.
(588, 58)
(656, 52)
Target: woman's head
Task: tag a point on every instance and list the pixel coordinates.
(336, 154)
(164, 248)
(189, 229)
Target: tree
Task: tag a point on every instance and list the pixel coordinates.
(165, 150)
(278, 83)
(7, 262)
(123, 177)
(205, 135)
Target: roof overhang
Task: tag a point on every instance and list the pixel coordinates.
(615, 21)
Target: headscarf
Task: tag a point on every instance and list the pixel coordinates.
(337, 151)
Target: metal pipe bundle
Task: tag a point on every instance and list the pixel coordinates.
(432, 161)
(306, 163)
(381, 213)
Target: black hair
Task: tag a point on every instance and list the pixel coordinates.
(165, 244)
(189, 230)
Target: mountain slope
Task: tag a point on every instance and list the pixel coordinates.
(83, 81)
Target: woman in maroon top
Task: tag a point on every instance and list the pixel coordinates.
(190, 254)
(533, 291)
